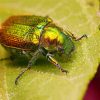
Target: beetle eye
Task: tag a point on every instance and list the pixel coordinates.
(61, 50)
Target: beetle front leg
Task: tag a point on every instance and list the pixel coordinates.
(75, 38)
(33, 59)
(79, 38)
(53, 61)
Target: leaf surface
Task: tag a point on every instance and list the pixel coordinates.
(43, 81)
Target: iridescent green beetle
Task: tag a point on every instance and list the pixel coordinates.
(37, 35)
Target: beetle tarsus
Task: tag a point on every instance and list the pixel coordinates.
(75, 38)
(16, 80)
(83, 36)
(64, 71)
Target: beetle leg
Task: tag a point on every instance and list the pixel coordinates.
(79, 38)
(53, 61)
(4, 58)
(31, 62)
(75, 38)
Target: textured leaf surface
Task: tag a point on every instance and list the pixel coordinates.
(43, 81)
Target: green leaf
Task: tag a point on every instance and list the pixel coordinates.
(43, 81)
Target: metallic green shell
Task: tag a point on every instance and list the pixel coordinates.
(28, 32)
(23, 31)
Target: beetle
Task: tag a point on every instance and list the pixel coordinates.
(37, 35)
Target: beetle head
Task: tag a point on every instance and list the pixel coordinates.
(67, 45)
